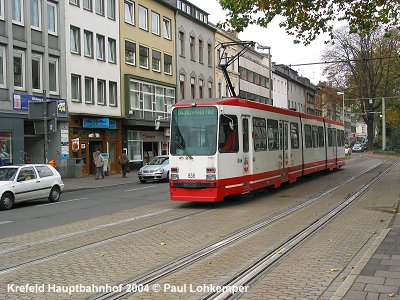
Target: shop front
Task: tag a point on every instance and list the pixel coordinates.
(88, 135)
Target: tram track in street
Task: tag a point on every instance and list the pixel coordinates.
(261, 267)
(179, 264)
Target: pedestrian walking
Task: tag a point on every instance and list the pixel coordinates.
(124, 161)
(99, 163)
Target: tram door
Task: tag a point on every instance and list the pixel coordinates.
(246, 156)
(284, 148)
(334, 145)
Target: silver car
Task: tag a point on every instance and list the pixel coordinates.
(156, 169)
(28, 182)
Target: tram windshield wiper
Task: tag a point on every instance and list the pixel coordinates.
(180, 146)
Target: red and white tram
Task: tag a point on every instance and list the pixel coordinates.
(222, 147)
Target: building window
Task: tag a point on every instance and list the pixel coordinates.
(2, 67)
(75, 43)
(74, 2)
(156, 60)
(130, 53)
(101, 92)
(100, 47)
(99, 6)
(76, 87)
(135, 145)
(159, 99)
(129, 12)
(167, 64)
(219, 90)
(209, 54)
(35, 14)
(200, 51)
(143, 18)
(87, 4)
(167, 28)
(210, 89)
(192, 45)
(6, 148)
(89, 89)
(148, 95)
(192, 88)
(19, 69)
(88, 43)
(182, 86)
(1, 9)
(155, 23)
(143, 57)
(134, 95)
(112, 90)
(36, 72)
(112, 47)
(52, 18)
(201, 88)
(181, 37)
(111, 9)
(53, 75)
(17, 12)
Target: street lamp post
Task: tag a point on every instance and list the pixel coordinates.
(342, 93)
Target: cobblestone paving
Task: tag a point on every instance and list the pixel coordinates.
(111, 263)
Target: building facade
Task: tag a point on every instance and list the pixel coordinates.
(148, 76)
(255, 77)
(93, 81)
(280, 87)
(32, 68)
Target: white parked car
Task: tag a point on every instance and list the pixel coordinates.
(27, 182)
(156, 169)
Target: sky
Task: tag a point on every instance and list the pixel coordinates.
(283, 50)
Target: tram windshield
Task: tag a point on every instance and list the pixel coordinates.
(194, 131)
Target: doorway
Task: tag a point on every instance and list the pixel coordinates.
(93, 147)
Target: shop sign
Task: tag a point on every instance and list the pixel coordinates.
(75, 145)
(21, 102)
(105, 123)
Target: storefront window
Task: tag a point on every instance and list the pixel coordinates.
(5, 149)
(135, 145)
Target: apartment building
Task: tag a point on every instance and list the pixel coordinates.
(255, 75)
(195, 51)
(32, 67)
(221, 87)
(93, 80)
(148, 76)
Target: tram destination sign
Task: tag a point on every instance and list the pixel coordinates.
(196, 115)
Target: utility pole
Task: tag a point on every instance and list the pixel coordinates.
(45, 125)
(383, 125)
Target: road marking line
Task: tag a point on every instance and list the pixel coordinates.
(5, 222)
(62, 202)
(140, 188)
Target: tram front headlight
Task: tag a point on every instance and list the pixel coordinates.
(174, 176)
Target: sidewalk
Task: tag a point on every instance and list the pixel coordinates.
(377, 275)
(89, 182)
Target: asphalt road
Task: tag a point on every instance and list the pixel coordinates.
(79, 205)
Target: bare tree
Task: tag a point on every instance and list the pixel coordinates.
(363, 66)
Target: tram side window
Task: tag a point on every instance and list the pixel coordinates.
(260, 134)
(294, 135)
(315, 136)
(307, 136)
(273, 134)
(228, 134)
(330, 140)
(245, 127)
(340, 138)
(321, 139)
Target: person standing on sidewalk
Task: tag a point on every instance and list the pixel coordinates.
(99, 163)
(124, 161)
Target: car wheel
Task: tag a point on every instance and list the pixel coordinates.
(54, 195)
(167, 178)
(6, 201)
(142, 181)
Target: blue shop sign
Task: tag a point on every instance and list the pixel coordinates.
(20, 102)
(99, 123)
